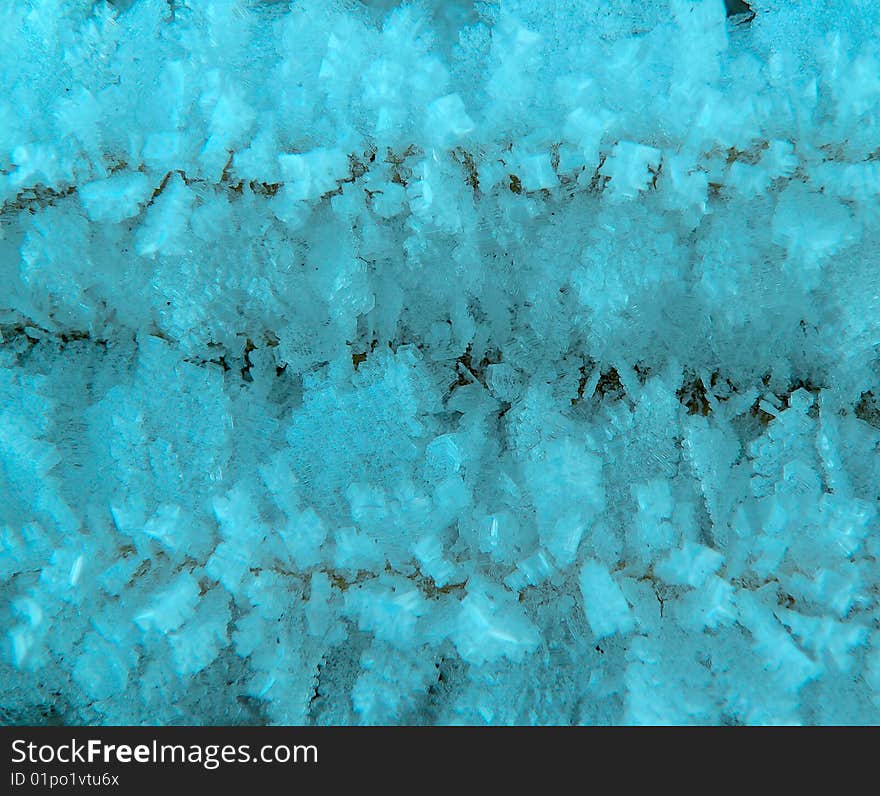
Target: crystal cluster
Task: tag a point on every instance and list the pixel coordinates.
(439, 362)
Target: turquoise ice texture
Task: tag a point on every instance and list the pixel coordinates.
(439, 362)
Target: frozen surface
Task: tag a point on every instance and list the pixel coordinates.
(444, 362)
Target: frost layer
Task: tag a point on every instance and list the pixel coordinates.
(440, 362)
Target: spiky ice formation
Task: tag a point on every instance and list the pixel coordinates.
(454, 362)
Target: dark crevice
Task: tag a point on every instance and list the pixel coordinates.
(609, 385)
(739, 12)
(868, 410)
(692, 395)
